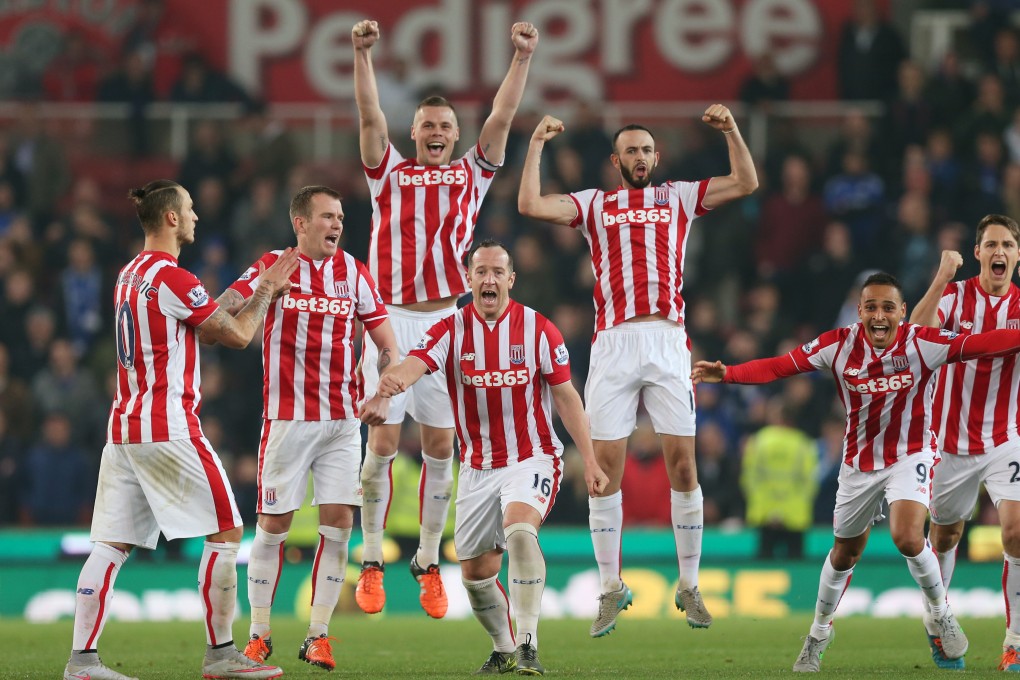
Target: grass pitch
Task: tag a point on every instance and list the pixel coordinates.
(413, 647)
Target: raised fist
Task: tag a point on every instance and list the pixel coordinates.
(365, 34)
(524, 37)
(548, 128)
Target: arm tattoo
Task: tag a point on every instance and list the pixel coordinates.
(384, 360)
(215, 327)
(231, 301)
(382, 143)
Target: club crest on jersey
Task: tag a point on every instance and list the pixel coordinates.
(661, 195)
(1013, 324)
(516, 354)
(341, 289)
(198, 296)
(899, 362)
(270, 496)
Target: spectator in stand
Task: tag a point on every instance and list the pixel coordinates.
(988, 114)
(779, 483)
(945, 170)
(855, 134)
(162, 38)
(81, 292)
(869, 50)
(856, 197)
(909, 116)
(131, 83)
(73, 76)
(1011, 189)
(15, 400)
(589, 139)
(200, 83)
(1006, 63)
(209, 155)
(59, 478)
(40, 159)
(949, 91)
(982, 176)
(718, 470)
(535, 279)
(260, 220)
(12, 462)
(645, 485)
(19, 293)
(270, 149)
(765, 84)
(914, 241)
(789, 229)
(64, 386)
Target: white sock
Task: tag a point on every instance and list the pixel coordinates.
(688, 514)
(434, 489)
(831, 586)
(264, 565)
(1010, 588)
(491, 608)
(947, 565)
(924, 567)
(328, 572)
(377, 487)
(605, 520)
(217, 588)
(527, 578)
(95, 588)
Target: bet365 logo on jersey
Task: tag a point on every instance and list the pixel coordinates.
(879, 385)
(318, 304)
(432, 177)
(495, 378)
(636, 216)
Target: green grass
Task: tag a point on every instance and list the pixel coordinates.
(413, 647)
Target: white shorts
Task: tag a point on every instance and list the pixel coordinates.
(428, 400)
(483, 496)
(958, 480)
(176, 487)
(289, 449)
(648, 359)
(860, 496)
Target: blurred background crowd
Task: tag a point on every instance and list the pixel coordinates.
(898, 170)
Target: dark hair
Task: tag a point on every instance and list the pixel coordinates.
(436, 100)
(490, 243)
(1003, 220)
(154, 200)
(629, 128)
(883, 279)
(301, 204)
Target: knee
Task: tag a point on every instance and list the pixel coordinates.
(519, 536)
(1011, 539)
(909, 545)
(842, 558)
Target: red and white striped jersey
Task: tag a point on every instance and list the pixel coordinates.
(638, 239)
(886, 393)
(158, 305)
(308, 360)
(499, 375)
(976, 402)
(423, 222)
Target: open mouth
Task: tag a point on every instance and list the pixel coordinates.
(333, 239)
(435, 148)
(489, 297)
(879, 332)
(999, 268)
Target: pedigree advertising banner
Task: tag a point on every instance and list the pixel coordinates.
(300, 51)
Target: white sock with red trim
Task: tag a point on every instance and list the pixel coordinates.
(95, 588)
(831, 586)
(527, 578)
(492, 609)
(376, 487)
(264, 564)
(328, 573)
(217, 588)
(434, 488)
(1010, 588)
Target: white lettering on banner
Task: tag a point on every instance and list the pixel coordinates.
(495, 378)
(429, 177)
(692, 35)
(317, 304)
(636, 216)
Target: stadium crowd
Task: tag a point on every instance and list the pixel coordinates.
(764, 274)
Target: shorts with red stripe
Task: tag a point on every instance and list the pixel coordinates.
(177, 487)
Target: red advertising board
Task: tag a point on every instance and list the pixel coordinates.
(618, 50)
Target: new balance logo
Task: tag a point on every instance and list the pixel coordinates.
(467, 356)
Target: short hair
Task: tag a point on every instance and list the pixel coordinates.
(882, 279)
(154, 200)
(629, 128)
(491, 243)
(1002, 220)
(301, 204)
(436, 100)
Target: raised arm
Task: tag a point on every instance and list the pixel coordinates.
(555, 208)
(748, 373)
(743, 178)
(375, 138)
(237, 331)
(926, 311)
(571, 409)
(496, 128)
(231, 302)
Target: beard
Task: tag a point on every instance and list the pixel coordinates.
(629, 178)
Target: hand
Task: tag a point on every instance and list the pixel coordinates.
(365, 34)
(547, 129)
(390, 386)
(375, 410)
(278, 275)
(719, 117)
(524, 37)
(708, 372)
(951, 261)
(596, 480)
